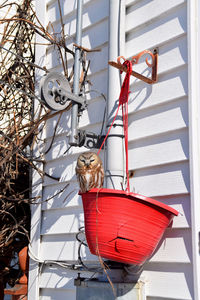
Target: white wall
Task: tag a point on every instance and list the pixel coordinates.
(158, 143)
(58, 220)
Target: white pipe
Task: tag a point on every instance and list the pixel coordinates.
(114, 156)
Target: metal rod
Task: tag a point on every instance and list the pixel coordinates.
(73, 140)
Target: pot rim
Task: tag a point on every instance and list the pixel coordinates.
(132, 195)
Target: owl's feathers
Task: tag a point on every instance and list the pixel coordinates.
(89, 171)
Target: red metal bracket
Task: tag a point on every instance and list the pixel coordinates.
(135, 59)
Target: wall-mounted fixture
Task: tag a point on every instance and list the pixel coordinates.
(55, 92)
(135, 59)
(97, 290)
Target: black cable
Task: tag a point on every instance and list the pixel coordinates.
(67, 149)
(81, 231)
(82, 242)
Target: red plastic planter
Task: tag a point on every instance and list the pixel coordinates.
(124, 227)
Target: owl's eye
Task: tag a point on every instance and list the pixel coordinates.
(91, 160)
(82, 160)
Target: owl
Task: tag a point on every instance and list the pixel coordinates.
(89, 171)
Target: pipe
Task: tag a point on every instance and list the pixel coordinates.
(73, 140)
(114, 173)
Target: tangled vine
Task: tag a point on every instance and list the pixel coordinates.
(18, 123)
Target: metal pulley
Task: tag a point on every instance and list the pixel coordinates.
(55, 92)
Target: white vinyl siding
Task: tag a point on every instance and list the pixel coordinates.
(62, 216)
(158, 134)
(158, 143)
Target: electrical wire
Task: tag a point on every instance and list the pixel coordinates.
(81, 243)
(64, 264)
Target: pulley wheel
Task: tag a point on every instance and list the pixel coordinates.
(52, 91)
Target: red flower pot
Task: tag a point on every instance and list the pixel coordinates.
(124, 227)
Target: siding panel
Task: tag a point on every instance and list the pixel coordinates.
(165, 118)
(62, 207)
(66, 249)
(62, 221)
(171, 86)
(61, 195)
(167, 250)
(159, 149)
(69, 220)
(158, 138)
(158, 144)
(171, 281)
(48, 294)
(157, 33)
(142, 8)
(163, 180)
(182, 204)
(61, 278)
(93, 11)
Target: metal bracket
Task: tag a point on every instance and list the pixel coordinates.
(135, 59)
(55, 92)
(78, 280)
(89, 140)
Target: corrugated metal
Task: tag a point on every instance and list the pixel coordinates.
(158, 143)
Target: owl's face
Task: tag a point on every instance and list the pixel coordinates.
(88, 160)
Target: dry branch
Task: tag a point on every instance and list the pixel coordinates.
(20, 122)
